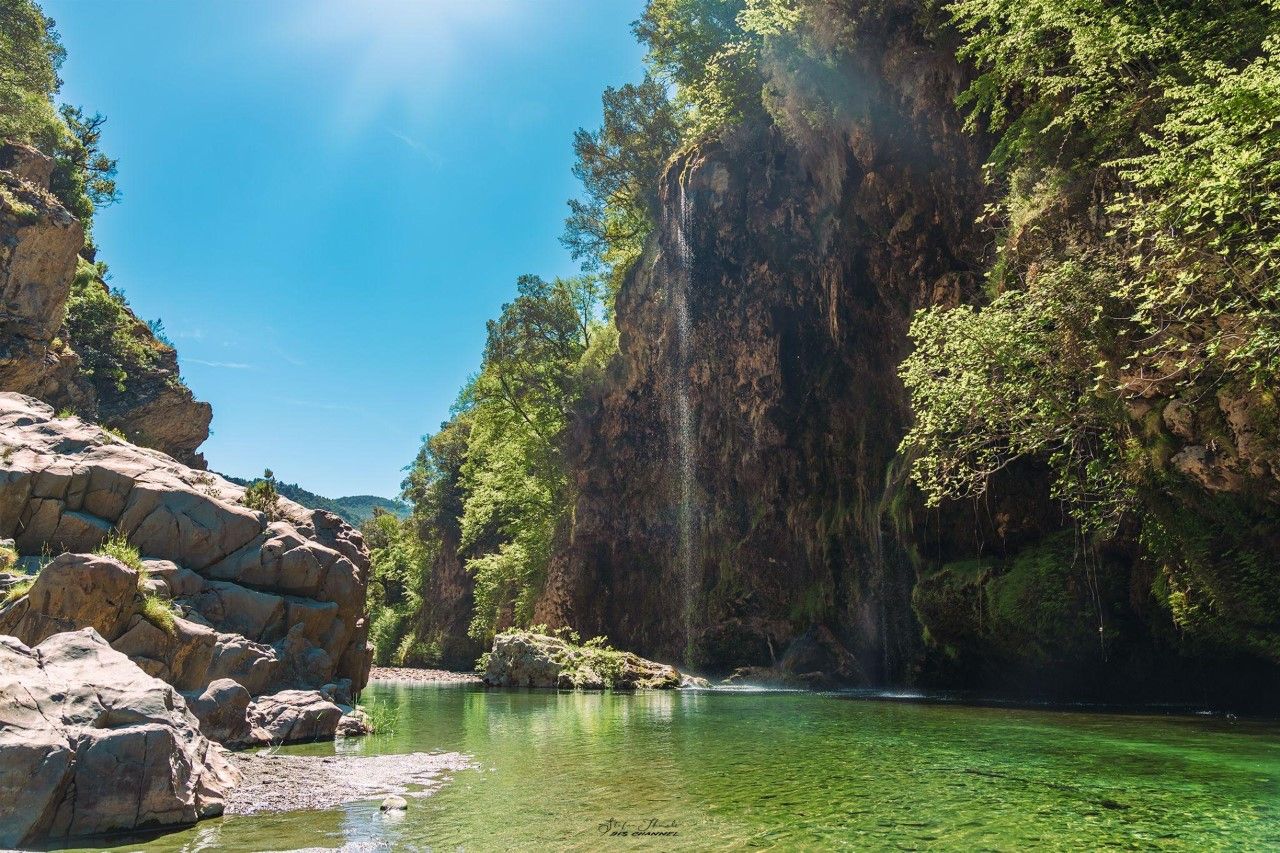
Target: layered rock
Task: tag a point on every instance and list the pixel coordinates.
(40, 242)
(270, 603)
(91, 744)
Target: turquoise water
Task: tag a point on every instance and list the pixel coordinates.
(788, 771)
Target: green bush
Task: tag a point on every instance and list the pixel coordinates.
(112, 343)
(261, 495)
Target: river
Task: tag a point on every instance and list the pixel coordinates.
(758, 770)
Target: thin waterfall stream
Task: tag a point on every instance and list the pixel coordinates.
(682, 277)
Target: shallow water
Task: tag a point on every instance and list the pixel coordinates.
(761, 770)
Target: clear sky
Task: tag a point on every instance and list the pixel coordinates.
(325, 201)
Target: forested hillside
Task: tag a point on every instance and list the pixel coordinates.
(353, 509)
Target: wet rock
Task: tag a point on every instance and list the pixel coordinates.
(89, 743)
(394, 804)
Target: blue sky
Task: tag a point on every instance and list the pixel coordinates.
(325, 201)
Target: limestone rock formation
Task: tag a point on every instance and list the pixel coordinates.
(525, 659)
(271, 604)
(40, 242)
(90, 744)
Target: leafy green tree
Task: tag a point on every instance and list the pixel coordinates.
(30, 56)
(619, 166)
(1157, 122)
(701, 48)
(515, 483)
(400, 567)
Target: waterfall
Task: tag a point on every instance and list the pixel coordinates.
(681, 279)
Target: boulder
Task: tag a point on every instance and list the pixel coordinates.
(293, 716)
(525, 659)
(223, 711)
(89, 743)
(74, 591)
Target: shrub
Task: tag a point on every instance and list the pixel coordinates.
(117, 545)
(262, 495)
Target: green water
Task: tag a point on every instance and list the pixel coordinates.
(793, 771)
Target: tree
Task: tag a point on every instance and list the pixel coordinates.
(30, 56)
(619, 166)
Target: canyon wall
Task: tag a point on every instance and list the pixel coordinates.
(794, 258)
(741, 497)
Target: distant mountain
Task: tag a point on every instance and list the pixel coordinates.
(353, 509)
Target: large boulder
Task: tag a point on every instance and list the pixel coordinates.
(293, 716)
(89, 743)
(272, 601)
(74, 591)
(526, 659)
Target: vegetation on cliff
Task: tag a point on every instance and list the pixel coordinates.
(1126, 335)
(495, 473)
(31, 54)
(1132, 334)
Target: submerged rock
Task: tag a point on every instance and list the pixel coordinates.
(525, 659)
(89, 743)
(394, 804)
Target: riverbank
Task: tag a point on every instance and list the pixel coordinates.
(422, 676)
(289, 783)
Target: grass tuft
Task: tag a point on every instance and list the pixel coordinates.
(117, 546)
(158, 612)
(18, 590)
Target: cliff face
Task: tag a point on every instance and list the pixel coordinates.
(40, 354)
(738, 489)
(741, 498)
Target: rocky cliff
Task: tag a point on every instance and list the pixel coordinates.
(272, 599)
(738, 482)
(742, 501)
(108, 367)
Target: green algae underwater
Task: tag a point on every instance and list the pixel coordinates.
(746, 770)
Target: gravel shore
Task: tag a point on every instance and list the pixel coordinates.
(422, 676)
(284, 783)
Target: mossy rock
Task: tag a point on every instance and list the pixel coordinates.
(1039, 607)
(527, 659)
